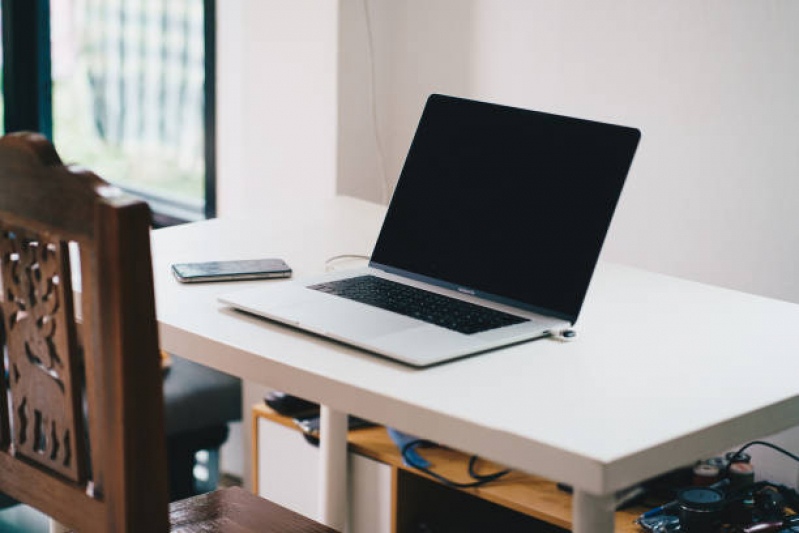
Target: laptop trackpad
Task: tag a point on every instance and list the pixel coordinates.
(347, 319)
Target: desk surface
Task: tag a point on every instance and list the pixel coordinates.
(664, 370)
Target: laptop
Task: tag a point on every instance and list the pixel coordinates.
(490, 239)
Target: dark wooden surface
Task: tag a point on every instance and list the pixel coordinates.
(235, 510)
(37, 190)
(43, 357)
(45, 462)
(118, 482)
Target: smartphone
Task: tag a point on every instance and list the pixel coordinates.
(231, 270)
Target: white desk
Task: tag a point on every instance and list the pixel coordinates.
(664, 370)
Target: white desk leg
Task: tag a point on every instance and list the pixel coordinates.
(593, 514)
(333, 468)
(56, 527)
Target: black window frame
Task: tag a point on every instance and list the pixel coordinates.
(27, 92)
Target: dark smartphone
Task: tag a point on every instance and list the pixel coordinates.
(231, 270)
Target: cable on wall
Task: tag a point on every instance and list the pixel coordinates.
(385, 185)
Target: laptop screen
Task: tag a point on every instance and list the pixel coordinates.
(511, 204)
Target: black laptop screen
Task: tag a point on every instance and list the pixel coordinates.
(506, 202)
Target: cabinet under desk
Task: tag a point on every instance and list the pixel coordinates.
(516, 497)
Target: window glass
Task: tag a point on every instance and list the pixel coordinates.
(128, 89)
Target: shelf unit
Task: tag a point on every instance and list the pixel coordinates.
(517, 493)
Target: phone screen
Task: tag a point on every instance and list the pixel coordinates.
(232, 270)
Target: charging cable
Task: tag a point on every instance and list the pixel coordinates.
(562, 335)
(370, 54)
(408, 455)
(330, 260)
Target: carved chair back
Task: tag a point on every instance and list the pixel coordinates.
(81, 401)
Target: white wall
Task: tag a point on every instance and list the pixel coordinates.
(276, 101)
(419, 47)
(276, 125)
(713, 84)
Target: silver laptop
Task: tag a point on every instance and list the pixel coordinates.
(491, 237)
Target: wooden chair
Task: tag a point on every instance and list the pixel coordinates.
(81, 403)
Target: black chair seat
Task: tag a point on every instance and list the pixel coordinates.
(199, 404)
(197, 397)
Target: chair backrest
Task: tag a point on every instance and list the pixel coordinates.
(81, 401)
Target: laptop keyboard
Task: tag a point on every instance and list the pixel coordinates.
(427, 306)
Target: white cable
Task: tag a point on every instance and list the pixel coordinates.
(373, 102)
(328, 262)
(346, 256)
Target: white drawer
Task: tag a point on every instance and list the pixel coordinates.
(288, 474)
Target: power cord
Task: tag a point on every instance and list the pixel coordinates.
(479, 480)
(335, 258)
(562, 335)
(386, 187)
(758, 443)
(484, 477)
(345, 256)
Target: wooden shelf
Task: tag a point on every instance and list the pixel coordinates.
(530, 495)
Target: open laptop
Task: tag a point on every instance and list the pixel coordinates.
(491, 237)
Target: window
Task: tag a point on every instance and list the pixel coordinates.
(132, 90)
